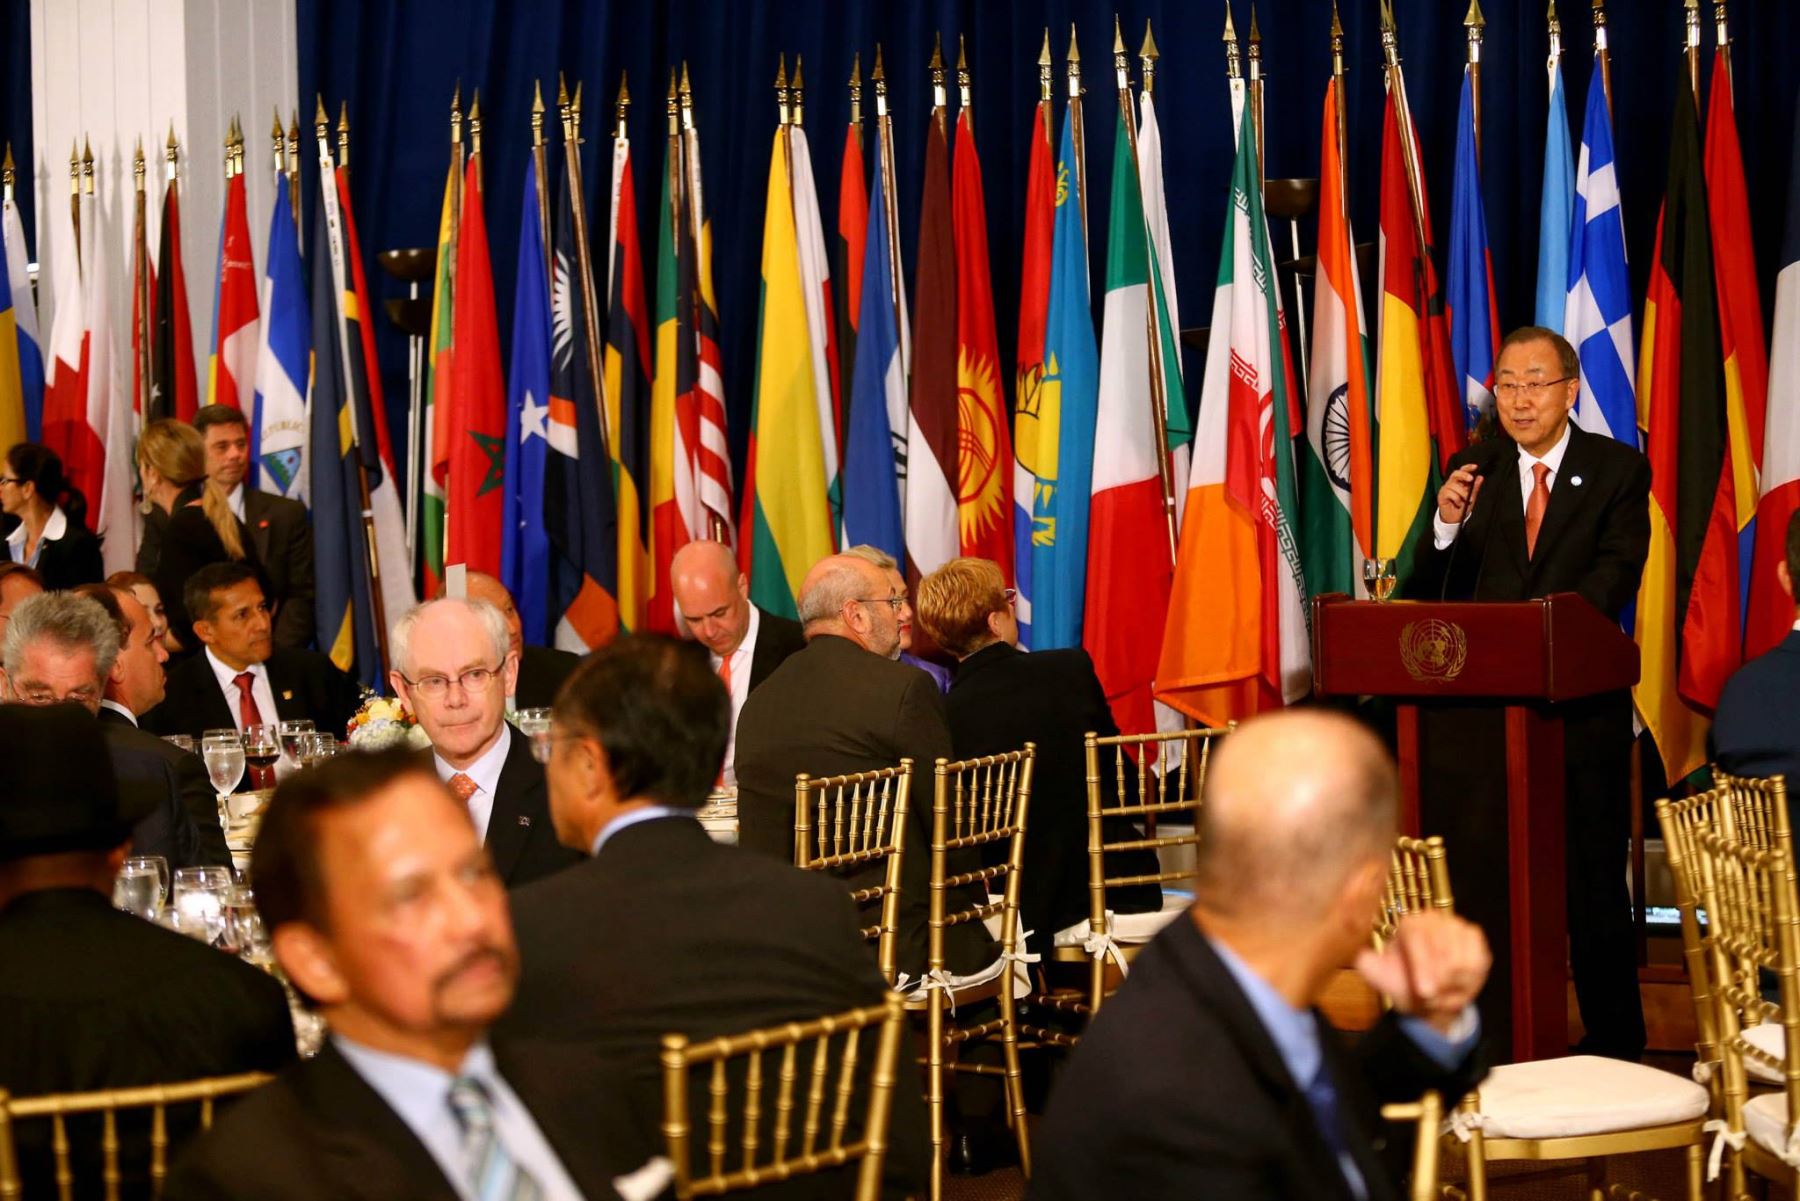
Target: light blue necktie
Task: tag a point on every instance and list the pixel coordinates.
(493, 1173)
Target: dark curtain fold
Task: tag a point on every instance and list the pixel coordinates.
(15, 104)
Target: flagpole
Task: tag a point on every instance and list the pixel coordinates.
(890, 209)
(1077, 134)
(1337, 77)
(293, 152)
(1396, 82)
(141, 331)
(1722, 34)
(1476, 24)
(1555, 40)
(571, 115)
(1256, 90)
(75, 196)
(1604, 54)
(540, 160)
(343, 139)
(1693, 47)
(1152, 325)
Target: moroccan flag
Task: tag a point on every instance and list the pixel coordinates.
(1029, 446)
(713, 459)
(473, 497)
(853, 233)
(278, 425)
(1129, 556)
(440, 358)
(1235, 638)
(984, 444)
(815, 278)
(176, 385)
(1771, 612)
(871, 485)
(675, 515)
(525, 545)
(1556, 208)
(1713, 643)
(787, 523)
(1474, 316)
(1681, 393)
(627, 389)
(579, 508)
(24, 307)
(930, 492)
(1337, 469)
(231, 367)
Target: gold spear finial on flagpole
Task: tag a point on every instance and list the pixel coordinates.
(687, 98)
(1074, 64)
(1603, 52)
(322, 127)
(575, 111)
(475, 124)
(1147, 56)
(1721, 27)
(87, 165)
(1045, 65)
(962, 73)
(138, 166)
(797, 92)
(293, 145)
(939, 97)
(230, 146)
(171, 153)
(879, 78)
(343, 133)
(278, 140)
(674, 107)
(1390, 36)
(781, 89)
(1337, 44)
(1693, 47)
(537, 113)
(1476, 24)
(1234, 63)
(1077, 131)
(856, 88)
(7, 171)
(620, 104)
(1555, 35)
(1256, 88)
(1121, 61)
(1255, 44)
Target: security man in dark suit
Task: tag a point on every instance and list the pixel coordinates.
(93, 998)
(386, 913)
(700, 938)
(1548, 508)
(1754, 732)
(1212, 1073)
(542, 669)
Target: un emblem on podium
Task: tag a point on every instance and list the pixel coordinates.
(1433, 650)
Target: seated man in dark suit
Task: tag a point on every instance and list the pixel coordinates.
(91, 997)
(542, 669)
(242, 678)
(745, 643)
(453, 666)
(1002, 698)
(1297, 831)
(387, 916)
(699, 938)
(61, 647)
(1754, 732)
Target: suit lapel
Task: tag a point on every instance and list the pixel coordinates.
(1509, 514)
(257, 520)
(365, 1149)
(213, 707)
(290, 699)
(509, 827)
(1565, 495)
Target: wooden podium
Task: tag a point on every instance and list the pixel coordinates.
(1524, 656)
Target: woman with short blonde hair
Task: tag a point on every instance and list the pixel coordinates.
(201, 527)
(959, 602)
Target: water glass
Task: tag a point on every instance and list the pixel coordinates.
(316, 747)
(289, 732)
(223, 751)
(184, 742)
(199, 896)
(142, 885)
(535, 725)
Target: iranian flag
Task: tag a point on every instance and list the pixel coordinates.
(1235, 638)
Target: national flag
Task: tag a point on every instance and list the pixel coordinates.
(112, 424)
(1597, 314)
(1474, 316)
(984, 444)
(929, 498)
(1683, 398)
(440, 359)
(278, 429)
(852, 235)
(1034, 432)
(1064, 439)
(1177, 425)
(237, 332)
(524, 545)
(627, 389)
(1771, 613)
(579, 508)
(475, 464)
(788, 523)
(1129, 556)
(1713, 637)
(1556, 208)
(176, 387)
(1235, 637)
(1337, 471)
(15, 283)
(713, 459)
(65, 428)
(815, 278)
(871, 487)
(12, 387)
(675, 513)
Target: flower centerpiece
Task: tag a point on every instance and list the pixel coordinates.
(383, 722)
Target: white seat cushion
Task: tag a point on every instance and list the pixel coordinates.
(1768, 1038)
(1765, 1121)
(916, 992)
(1582, 1095)
(1130, 927)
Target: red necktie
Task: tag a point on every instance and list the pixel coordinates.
(463, 787)
(248, 714)
(1534, 508)
(725, 679)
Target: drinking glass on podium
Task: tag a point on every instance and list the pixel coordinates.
(1378, 578)
(261, 750)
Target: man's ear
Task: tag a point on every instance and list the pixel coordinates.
(307, 959)
(203, 630)
(397, 682)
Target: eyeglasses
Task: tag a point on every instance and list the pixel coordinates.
(11, 479)
(892, 602)
(1530, 390)
(434, 687)
(1009, 595)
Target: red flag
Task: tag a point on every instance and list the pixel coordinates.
(175, 386)
(1034, 313)
(853, 236)
(984, 445)
(931, 456)
(231, 369)
(473, 496)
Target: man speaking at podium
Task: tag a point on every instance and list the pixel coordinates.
(1547, 508)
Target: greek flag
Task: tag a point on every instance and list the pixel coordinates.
(1597, 317)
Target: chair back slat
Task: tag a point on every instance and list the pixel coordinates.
(1167, 777)
(846, 822)
(740, 1058)
(1418, 880)
(1682, 823)
(976, 803)
(1755, 810)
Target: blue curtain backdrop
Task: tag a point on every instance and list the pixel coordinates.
(15, 103)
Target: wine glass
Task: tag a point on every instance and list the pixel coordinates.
(223, 753)
(289, 733)
(184, 742)
(199, 897)
(261, 750)
(141, 885)
(1378, 578)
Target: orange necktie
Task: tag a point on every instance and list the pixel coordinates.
(463, 787)
(1534, 508)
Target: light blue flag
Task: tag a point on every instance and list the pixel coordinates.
(1070, 391)
(524, 540)
(278, 435)
(871, 485)
(1474, 336)
(1556, 210)
(1597, 315)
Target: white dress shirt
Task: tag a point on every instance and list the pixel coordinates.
(259, 688)
(420, 1095)
(121, 710)
(54, 529)
(235, 498)
(740, 690)
(1443, 533)
(485, 771)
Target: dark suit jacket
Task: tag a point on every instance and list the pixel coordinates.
(699, 939)
(542, 670)
(776, 639)
(1754, 732)
(184, 827)
(520, 836)
(320, 1130)
(188, 543)
(1003, 698)
(305, 684)
(1177, 1090)
(835, 708)
(66, 562)
(94, 998)
(282, 538)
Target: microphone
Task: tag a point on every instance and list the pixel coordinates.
(1450, 562)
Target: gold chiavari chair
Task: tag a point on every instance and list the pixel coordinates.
(1418, 880)
(109, 1104)
(1683, 822)
(976, 804)
(855, 825)
(769, 1148)
(1753, 930)
(1142, 777)
(1757, 811)
(1427, 1118)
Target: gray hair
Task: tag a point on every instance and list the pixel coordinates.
(72, 622)
(400, 638)
(837, 585)
(875, 555)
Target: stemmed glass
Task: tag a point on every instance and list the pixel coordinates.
(315, 747)
(182, 742)
(198, 902)
(223, 752)
(1378, 578)
(535, 725)
(142, 885)
(290, 732)
(261, 750)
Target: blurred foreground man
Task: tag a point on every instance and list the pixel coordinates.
(1211, 1073)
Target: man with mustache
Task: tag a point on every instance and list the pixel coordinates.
(387, 916)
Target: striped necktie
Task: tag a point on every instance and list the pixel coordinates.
(493, 1173)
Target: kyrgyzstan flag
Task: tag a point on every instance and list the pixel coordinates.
(474, 500)
(984, 444)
